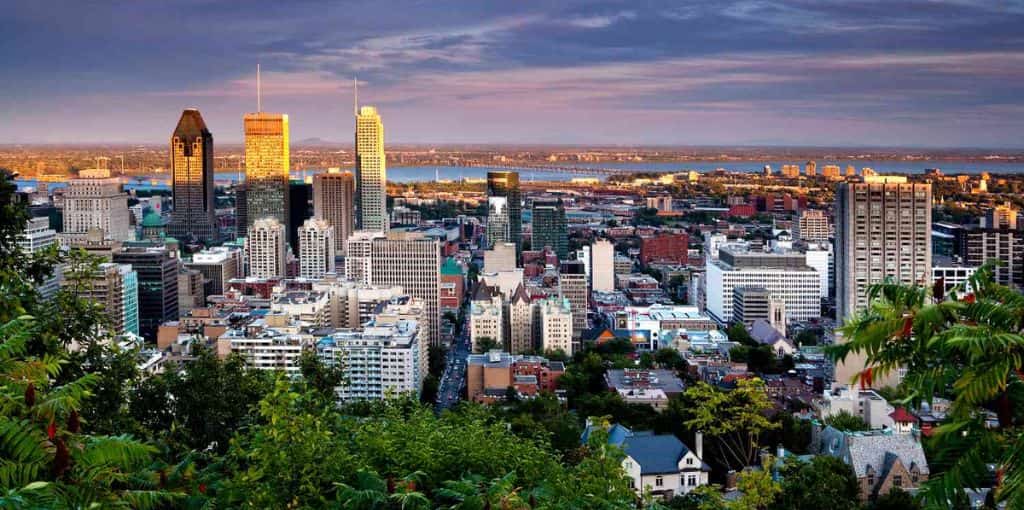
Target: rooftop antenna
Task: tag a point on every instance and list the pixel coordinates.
(355, 96)
(259, 91)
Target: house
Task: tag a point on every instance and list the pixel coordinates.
(881, 460)
(643, 386)
(765, 334)
(660, 463)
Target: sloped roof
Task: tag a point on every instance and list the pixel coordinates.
(485, 292)
(152, 219)
(901, 415)
(763, 333)
(873, 449)
(655, 454)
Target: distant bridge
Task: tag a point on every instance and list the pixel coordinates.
(555, 169)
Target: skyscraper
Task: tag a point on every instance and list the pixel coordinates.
(572, 285)
(192, 172)
(316, 239)
(96, 202)
(407, 259)
(883, 230)
(506, 185)
(115, 287)
(602, 266)
(996, 237)
(549, 227)
(266, 167)
(265, 244)
(300, 209)
(811, 169)
(371, 172)
(333, 201)
(157, 270)
(498, 221)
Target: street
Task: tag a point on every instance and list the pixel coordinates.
(450, 389)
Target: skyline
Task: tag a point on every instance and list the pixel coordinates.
(747, 72)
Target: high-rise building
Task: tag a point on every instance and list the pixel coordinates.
(267, 163)
(752, 303)
(383, 358)
(790, 171)
(883, 230)
(219, 265)
(602, 266)
(556, 325)
(996, 237)
(300, 209)
(520, 320)
(39, 236)
(487, 317)
(157, 270)
(498, 221)
(371, 171)
(265, 246)
(241, 210)
(830, 171)
(192, 184)
(116, 288)
(407, 259)
(784, 274)
(549, 227)
(316, 240)
(334, 201)
(811, 169)
(95, 202)
(506, 185)
(191, 290)
(812, 226)
(572, 285)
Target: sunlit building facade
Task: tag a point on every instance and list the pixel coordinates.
(192, 171)
(371, 171)
(266, 167)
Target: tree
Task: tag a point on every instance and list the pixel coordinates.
(824, 482)
(846, 422)
(48, 460)
(732, 420)
(897, 499)
(738, 333)
(806, 337)
(758, 490)
(485, 344)
(966, 347)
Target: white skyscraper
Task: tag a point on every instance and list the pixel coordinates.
(95, 202)
(265, 246)
(316, 248)
(602, 266)
(371, 172)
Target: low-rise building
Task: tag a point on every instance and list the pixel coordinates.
(643, 386)
(658, 463)
(489, 376)
(881, 460)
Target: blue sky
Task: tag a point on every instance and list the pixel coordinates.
(799, 72)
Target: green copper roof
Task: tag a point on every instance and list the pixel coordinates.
(152, 219)
(451, 268)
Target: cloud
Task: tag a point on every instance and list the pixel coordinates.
(601, 21)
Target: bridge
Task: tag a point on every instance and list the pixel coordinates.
(555, 169)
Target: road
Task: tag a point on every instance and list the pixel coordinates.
(453, 379)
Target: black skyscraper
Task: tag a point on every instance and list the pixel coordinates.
(192, 171)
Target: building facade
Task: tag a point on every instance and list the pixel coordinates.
(602, 266)
(192, 179)
(812, 226)
(334, 202)
(549, 227)
(267, 163)
(572, 285)
(96, 202)
(506, 185)
(316, 248)
(883, 230)
(556, 325)
(265, 247)
(157, 273)
(785, 275)
(219, 265)
(666, 247)
(371, 171)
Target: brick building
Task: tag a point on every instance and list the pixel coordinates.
(664, 248)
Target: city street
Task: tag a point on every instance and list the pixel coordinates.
(450, 389)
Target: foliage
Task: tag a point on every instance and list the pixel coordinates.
(738, 333)
(967, 347)
(896, 499)
(485, 344)
(845, 421)
(824, 482)
(732, 420)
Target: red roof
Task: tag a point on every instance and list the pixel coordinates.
(901, 415)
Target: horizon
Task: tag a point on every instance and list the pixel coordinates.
(757, 73)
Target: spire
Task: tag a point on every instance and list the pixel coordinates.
(355, 96)
(259, 91)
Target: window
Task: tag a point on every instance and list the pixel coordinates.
(914, 478)
(632, 484)
(659, 482)
(691, 480)
(689, 461)
(897, 481)
(871, 480)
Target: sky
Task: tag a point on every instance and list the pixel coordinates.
(723, 72)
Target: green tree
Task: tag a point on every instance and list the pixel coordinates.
(847, 422)
(757, 490)
(897, 499)
(733, 420)
(824, 482)
(485, 344)
(738, 333)
(966, 347)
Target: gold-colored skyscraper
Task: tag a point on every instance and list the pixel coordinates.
(266, 166)
(371, 172)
